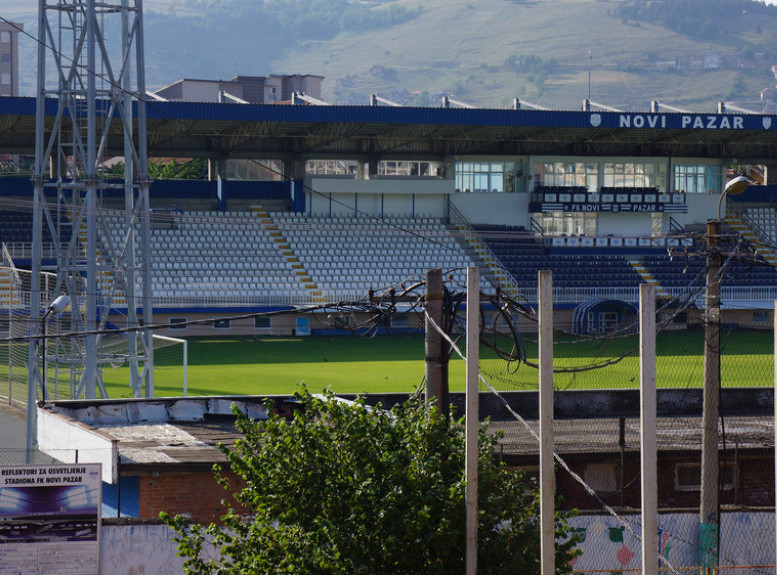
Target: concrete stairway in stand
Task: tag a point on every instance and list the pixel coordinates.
(735, 222)
(286, 250)
(647, 277)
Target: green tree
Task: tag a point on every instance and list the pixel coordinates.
(345, 489)
(194, 169)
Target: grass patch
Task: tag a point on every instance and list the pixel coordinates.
(269, 365)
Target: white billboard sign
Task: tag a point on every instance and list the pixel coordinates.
(50, 519)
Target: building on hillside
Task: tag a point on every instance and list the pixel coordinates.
(9, 58)
(251, 89)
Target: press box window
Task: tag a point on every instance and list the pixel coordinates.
(176, 323)
(262, 322)
(222, 324)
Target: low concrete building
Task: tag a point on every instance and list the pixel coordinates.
(158, 454)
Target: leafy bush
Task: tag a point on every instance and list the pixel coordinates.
(345, 489)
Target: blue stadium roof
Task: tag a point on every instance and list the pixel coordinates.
(283, 131)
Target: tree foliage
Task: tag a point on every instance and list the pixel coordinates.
(194, 169)
(704, 19)
(309, 19)
(344, 489)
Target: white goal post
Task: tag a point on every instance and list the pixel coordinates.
(161, 342)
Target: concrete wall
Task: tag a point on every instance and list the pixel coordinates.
(494, 208)
(754, 317)
(701, 207)
(609, 403)
(280, 324)
(404, 196)
(747, 538)
(138, 550)
(626, 225)
(379, 197)
(197, 91)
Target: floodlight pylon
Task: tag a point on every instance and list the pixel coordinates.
(92, 108)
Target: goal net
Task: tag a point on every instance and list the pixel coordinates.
(115, 357)
(117, 350)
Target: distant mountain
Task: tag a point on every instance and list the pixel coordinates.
(625, 53)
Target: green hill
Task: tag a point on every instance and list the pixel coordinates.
(491, 51)
(687, 53)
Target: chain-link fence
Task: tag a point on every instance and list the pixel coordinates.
(597, 428)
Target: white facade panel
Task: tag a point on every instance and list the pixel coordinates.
(69, 441)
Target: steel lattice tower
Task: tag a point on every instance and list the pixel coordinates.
(91, 50)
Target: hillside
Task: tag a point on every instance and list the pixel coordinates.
(475, 50)
(484, 52)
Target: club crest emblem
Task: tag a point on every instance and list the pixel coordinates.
(767, 122)
(596, 120)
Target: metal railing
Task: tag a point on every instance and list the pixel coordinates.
(507, 281)
(23, 250)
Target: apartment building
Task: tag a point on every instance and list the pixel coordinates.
(9, 58)
(252, 89)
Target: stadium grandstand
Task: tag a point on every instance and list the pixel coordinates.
(304, 204)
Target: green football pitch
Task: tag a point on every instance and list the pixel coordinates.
(349, 364)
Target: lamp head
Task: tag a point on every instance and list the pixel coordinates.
(59, 304)
(736, 186)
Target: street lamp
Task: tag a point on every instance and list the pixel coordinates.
(734, 186)
(56, 306)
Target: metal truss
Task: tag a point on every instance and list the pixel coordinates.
(91, 49)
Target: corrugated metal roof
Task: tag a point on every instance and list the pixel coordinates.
(602, 436)
(165, 431)
(187, 431)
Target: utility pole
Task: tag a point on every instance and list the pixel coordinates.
(708, 515)
(435, 353)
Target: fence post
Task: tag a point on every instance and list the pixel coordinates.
(647, 393)
(472, 421)
(547, 471)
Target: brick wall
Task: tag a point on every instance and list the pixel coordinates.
(753, 484)
(193, 492)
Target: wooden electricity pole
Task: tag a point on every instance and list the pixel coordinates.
(708, 515)
(435, 352)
